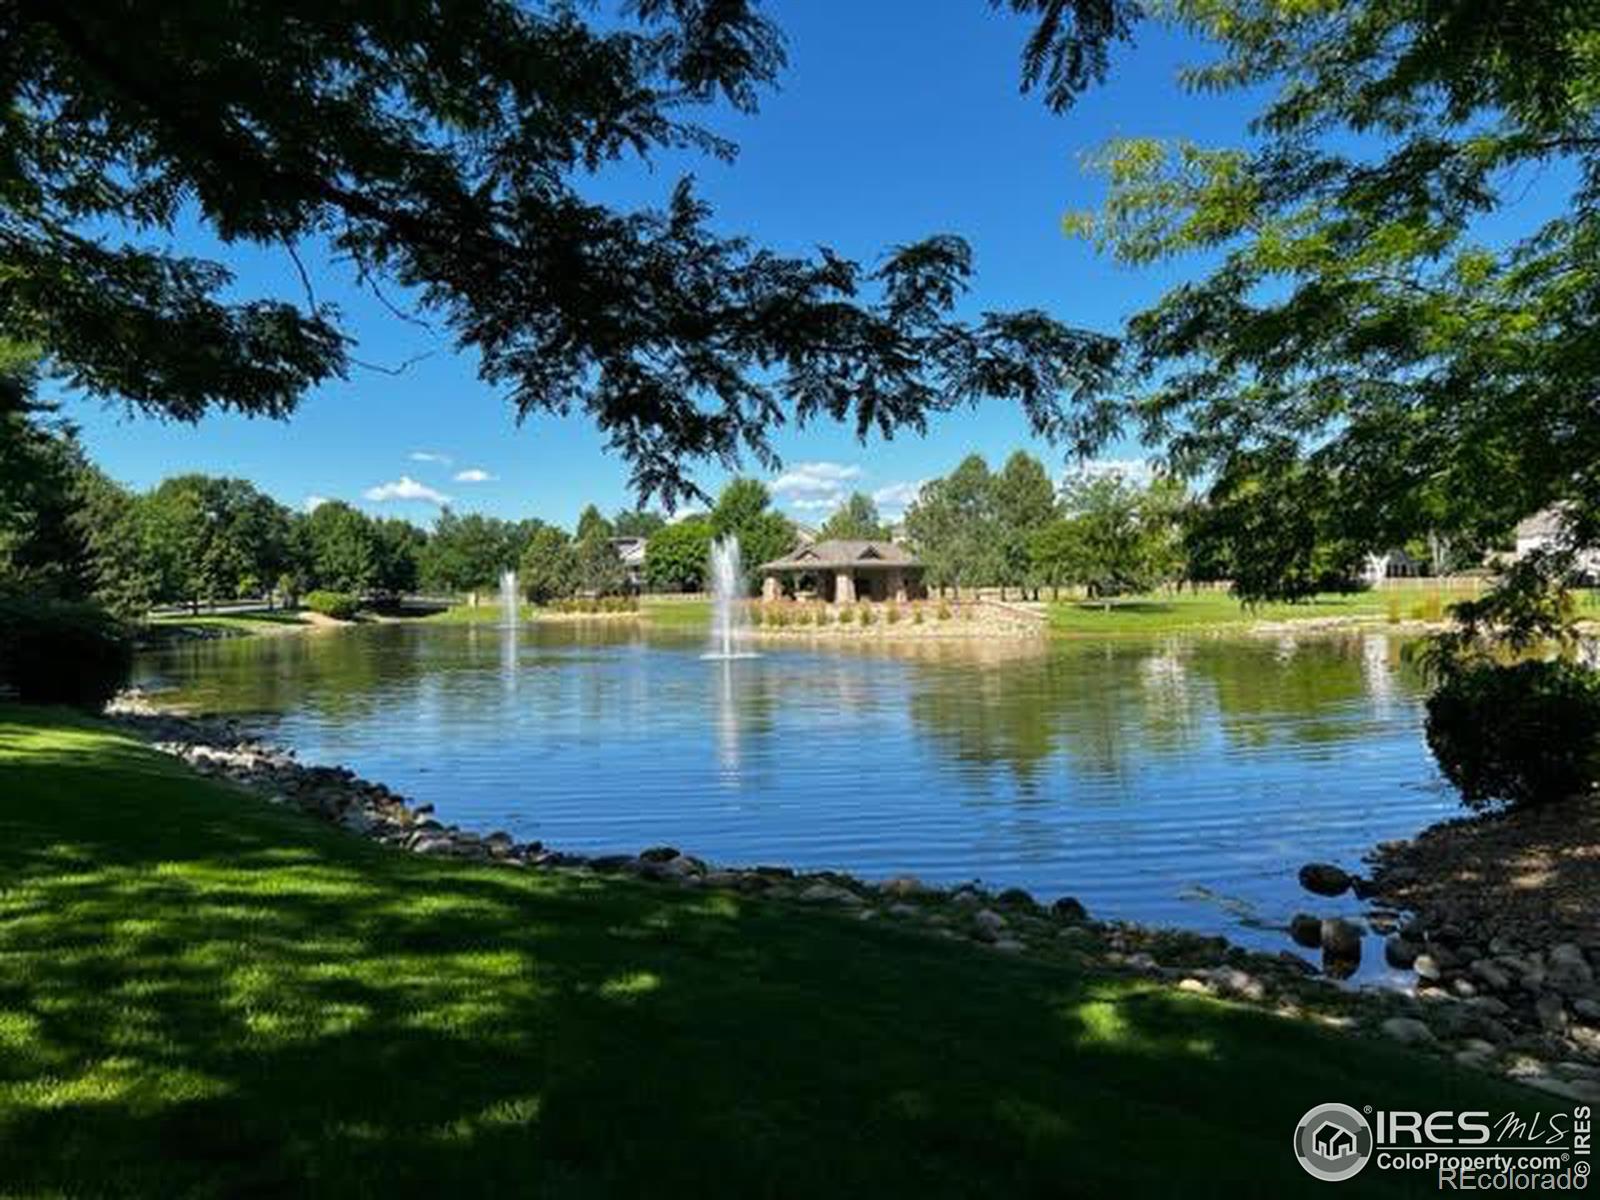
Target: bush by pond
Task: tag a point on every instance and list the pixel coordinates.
(62, 652)
(1523, 733)
(341, 606)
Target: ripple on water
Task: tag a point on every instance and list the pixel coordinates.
(1180, 782)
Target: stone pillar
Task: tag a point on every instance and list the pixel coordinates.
(771, 589)
(844, 588)
(897, 586)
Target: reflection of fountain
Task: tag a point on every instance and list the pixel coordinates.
(727, 724)
(508, 599)
(727, 591)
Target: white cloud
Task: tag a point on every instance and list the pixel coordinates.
(473, 475)
(405, 488)
(817, 503)
(814, 479)
(429, 456)
(897, 496)
(312, 503)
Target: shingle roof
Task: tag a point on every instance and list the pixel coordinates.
(834, 555)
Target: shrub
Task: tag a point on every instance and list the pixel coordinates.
(867, 615)
(341, 606)
(944, 611)
(892, 616)
(1523, 733)
(1392, 604)
(62, 652)
(847, 616)
(916, 615)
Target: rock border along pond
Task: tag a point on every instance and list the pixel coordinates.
(1492, 1012)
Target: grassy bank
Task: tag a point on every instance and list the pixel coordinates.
(175, 628)
(670, 612)
(1165, 613)
(202, 994)
(480, 614)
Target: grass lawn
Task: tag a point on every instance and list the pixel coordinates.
(1199, 610)
(669, 612)
(202, 995)
(482, 614)
(243, 622)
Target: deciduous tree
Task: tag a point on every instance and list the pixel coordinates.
(448, 149)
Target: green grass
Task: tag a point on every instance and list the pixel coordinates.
(229, 624)
(482, 614)
(669, 612)
(202, 994)
(1202, 610)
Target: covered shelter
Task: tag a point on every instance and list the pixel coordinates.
(842, 572)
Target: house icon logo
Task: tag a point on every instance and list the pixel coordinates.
(1333, 1142)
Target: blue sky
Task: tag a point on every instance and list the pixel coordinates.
(896, 119)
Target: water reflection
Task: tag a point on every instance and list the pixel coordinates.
(1178, 780)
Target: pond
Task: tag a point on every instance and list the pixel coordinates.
(1179, 782)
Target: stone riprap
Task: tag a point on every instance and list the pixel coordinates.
(1532, 1016)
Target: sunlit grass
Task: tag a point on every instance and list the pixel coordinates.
(202, 994)
(670, 612)
(1169, 612)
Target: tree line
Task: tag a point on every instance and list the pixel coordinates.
(68, 531)
(1104, 531)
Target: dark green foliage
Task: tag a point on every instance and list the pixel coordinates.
(856, 519)
(637, 523)
(468, 553)
(1523, 733)
(677, 557)
(954, 527)
(341, 606)
(449, 149)
(1384, 341)
(596, 568)
(342, 549)
(398, 547)
(62, 652)
(743, 509)
(549, 568)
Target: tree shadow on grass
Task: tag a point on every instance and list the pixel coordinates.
(202, 995)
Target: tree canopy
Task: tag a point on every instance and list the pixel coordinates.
(1396, 332)
(856, 519)
(448, 150)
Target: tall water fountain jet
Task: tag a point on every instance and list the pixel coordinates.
(727, 590)
(508, 599)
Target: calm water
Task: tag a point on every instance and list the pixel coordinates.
(1180, 782)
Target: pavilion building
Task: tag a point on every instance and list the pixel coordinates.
(842, 572)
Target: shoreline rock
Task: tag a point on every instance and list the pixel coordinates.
(1493, 1004)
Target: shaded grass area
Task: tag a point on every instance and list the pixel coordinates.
(1201, 610)
(202, 994)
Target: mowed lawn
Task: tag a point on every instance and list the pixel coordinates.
(202, 994)
(1175, 611)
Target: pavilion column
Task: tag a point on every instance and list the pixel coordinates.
(771, 589)
(844, 588)
(897, 586)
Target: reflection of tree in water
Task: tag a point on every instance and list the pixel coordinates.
(1307, 691)
(1101, 706)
